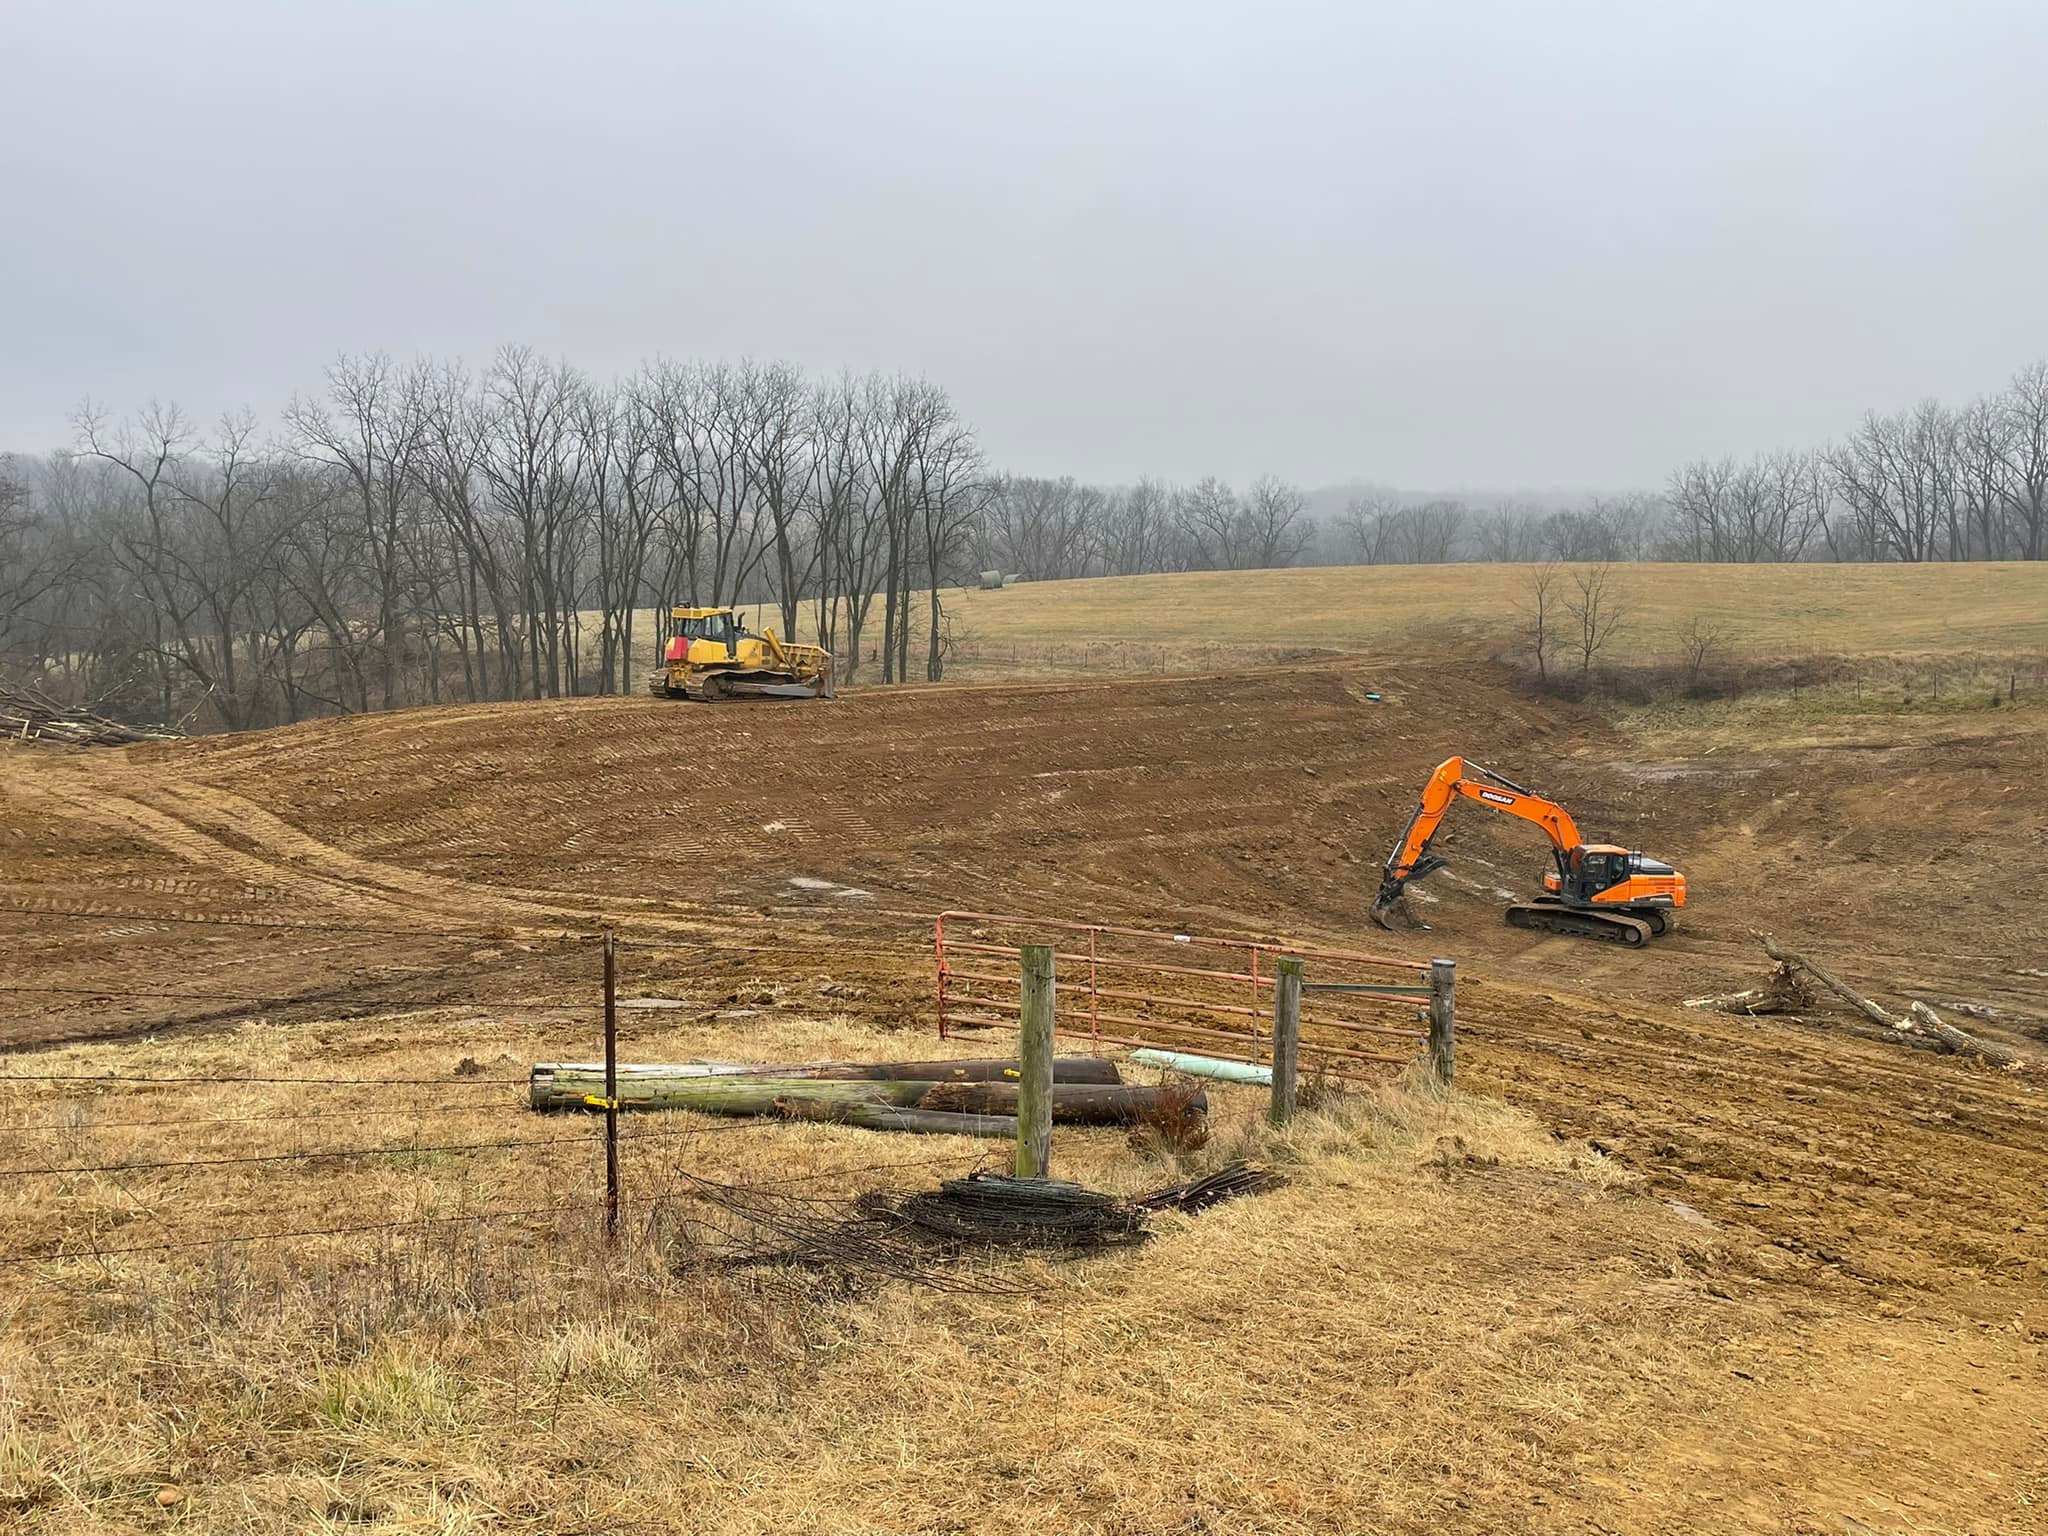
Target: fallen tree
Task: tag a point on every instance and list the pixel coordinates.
(1920, 1022)
(1785, 992)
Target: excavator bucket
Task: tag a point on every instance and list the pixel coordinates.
(1390, 909)
(1390, 906)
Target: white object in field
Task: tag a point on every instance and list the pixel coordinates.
(1218, 1067)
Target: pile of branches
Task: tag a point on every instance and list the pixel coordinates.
(922, 1237)
(29, 714)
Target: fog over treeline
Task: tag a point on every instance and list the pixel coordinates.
(429, 531)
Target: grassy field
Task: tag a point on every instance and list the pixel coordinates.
(1759, 609)
(1200, 620)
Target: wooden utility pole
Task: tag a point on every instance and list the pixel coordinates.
(1286, 1036)
(611, 1087)
(1034, 1050)
(1443, 982)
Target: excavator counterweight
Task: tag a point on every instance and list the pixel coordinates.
(1595, 891)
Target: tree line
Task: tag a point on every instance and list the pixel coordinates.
(1931, 483)
(418, 532)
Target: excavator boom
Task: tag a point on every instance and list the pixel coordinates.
(1596, 891)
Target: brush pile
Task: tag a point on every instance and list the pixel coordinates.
(29, 714)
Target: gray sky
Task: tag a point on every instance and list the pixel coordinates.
(1476, 245)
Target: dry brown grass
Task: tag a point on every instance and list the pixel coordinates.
(1447, 1309)
(1874, 700)
(1202, 621)
(1757, 609)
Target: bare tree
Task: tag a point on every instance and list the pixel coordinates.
(147, 450)
(1368, 524)
(1595, 612)
(1428, 534)
(32, 565)
(371, 429)
(2023, 452)
(1539, 611)
(1211, 520)
(1277, 527)
(1699, 642)
(1510, 533)
(1141, 536)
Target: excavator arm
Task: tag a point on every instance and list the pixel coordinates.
(1411, 858)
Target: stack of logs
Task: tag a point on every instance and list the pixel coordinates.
(29, 714)
(959, 1098)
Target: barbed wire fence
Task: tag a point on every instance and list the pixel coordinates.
(80, 1097)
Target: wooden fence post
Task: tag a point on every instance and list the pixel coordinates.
(1034, 1049)
(611, 1087)
(1286, 1036)
(1443, 982)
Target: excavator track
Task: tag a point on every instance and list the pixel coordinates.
(1549, 917)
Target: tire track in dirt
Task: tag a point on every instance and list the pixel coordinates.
(226, 833)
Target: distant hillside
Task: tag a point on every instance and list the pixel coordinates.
(1758, 609)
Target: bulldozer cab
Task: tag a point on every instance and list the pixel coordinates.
(721, 626)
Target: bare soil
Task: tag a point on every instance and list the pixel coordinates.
(1869, 1316)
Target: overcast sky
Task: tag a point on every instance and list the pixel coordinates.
(1478, 245)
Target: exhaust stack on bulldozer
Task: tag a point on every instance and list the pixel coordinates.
(713, 656)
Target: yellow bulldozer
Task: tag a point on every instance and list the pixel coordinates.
(713, 656)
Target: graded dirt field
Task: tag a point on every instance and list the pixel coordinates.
(1654, 1270)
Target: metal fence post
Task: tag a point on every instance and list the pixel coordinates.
(1034, 1078)
(1286, 1036)
(611, 1087)
(1443, 982)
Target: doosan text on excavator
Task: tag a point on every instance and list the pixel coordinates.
(1597, 890)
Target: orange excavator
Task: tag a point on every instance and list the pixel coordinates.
(1597, 890)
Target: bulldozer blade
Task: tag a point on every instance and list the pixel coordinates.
(776, 690)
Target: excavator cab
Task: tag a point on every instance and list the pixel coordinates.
(1594, 870)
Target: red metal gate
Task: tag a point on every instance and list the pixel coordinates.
(1182, 992)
